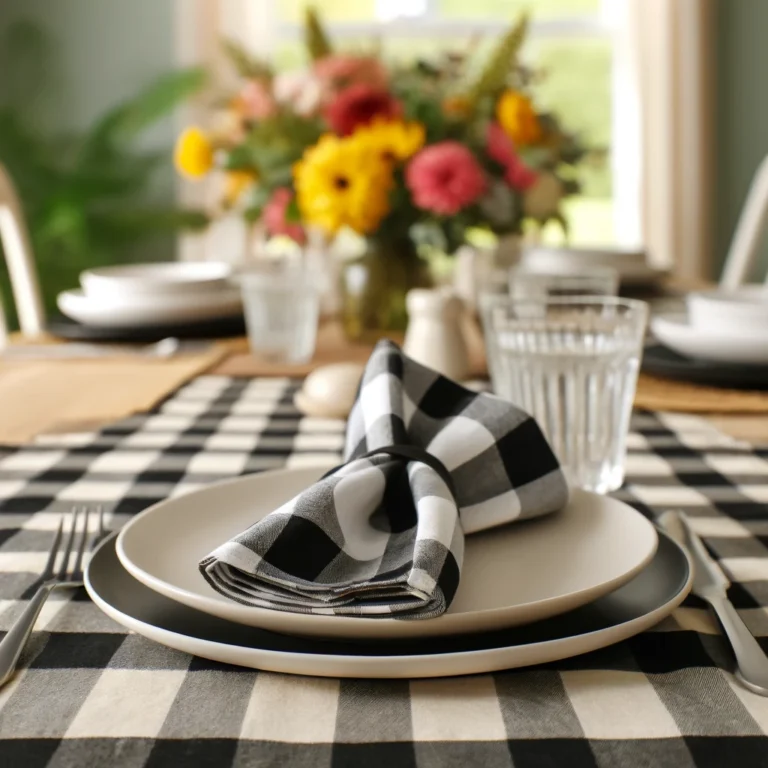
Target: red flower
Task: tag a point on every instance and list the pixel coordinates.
(276, 216)
(445, 178)
(339, 70)
(359, 105)
(500, 147)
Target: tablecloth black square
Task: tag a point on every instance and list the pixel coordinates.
(91, 694)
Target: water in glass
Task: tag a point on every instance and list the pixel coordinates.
(573, 365)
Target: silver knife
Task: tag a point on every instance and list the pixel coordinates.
(711, 584)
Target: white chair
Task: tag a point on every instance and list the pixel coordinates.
(749, 232)
(20, 260)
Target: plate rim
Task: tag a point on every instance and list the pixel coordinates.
(481, 661)
(682, 320)
(628, 272)
(685, 362)
(740, 377)
(675, 323)
(212, 605)
(174, 303)
(77, 306)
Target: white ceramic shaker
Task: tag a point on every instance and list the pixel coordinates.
(434, 336)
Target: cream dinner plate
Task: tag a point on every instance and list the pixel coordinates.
(634, 607)
(511, 575)
(148, 310)
(676, 332)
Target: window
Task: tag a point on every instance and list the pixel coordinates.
(571, 42)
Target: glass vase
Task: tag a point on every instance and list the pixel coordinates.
(374, 286)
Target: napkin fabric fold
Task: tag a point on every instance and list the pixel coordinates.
(427, 462)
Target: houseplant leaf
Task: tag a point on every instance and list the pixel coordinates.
(125, 122)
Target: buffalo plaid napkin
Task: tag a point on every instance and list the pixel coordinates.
(428, 461)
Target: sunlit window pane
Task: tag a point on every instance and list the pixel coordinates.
(577, 85)
(508, 9)
(331, 10)
(387, 10)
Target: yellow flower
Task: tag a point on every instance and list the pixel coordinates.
(393, 139)
(517, 117)
(343, 182)
(194, 153)
(235, 183)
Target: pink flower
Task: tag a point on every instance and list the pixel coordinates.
(500, 147)
(359, 105)
(339, 71)
(276, 216)
(300, 89)
(445, 178)
(257, 101)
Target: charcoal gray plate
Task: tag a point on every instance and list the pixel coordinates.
(631, 609)
(218, 328)
(659, 360)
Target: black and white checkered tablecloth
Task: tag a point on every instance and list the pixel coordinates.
(92, 695)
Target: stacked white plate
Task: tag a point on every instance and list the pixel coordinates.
(141, 295)
(631, 265)
(720, 326)
(590, 575)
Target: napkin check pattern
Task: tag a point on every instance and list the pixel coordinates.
(383, 535)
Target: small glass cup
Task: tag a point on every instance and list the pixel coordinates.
(281, 302)
(572, 363)
(527, 283)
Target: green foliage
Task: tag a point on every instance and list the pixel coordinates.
(453, 95)
(86, 196)
(270, 151)
(315, 37)
(493, 77)
(246, 65)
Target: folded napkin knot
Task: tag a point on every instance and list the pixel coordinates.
(427, 462)
(409, 453)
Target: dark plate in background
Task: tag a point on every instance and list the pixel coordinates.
(220, 328)
(659, 360)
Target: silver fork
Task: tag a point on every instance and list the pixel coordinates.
(51, 578)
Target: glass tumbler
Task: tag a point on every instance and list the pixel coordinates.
(572, 363)
(281, 302)
(528, 283)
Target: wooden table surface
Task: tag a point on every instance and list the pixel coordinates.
(332, 347)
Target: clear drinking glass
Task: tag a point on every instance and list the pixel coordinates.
(281, 301)
(525, 283)
(571, 363)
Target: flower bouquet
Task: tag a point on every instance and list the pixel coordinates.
(406, 156)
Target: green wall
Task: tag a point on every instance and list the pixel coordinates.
(102, 52)
(95, 54)
(105, 50)
(742, 110)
